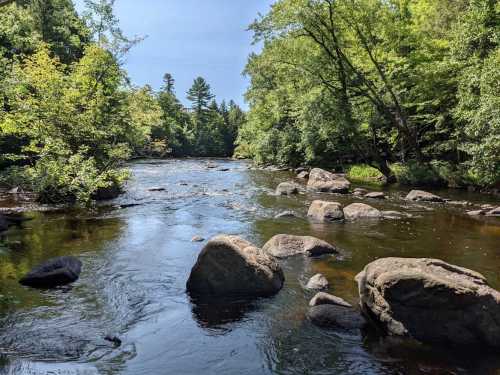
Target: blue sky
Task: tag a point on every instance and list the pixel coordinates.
(190, 38)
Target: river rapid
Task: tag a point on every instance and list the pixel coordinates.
(137, 258)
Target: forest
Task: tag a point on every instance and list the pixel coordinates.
(399, 91)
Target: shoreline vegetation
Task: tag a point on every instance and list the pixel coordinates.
(404, 92)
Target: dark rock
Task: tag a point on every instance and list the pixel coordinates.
(375, 195)
(285, 245)
(430, 301)
(322, 298)
(423, 196)
(223, 169)
(323, 211)
(128, 205)
(361, 211)
(54, 272)
(317, 282)
(107, 193)
(197, 239)
(336, 317)
(323, 181)
(231, 266)
(113, 339)
(157, 189)
(287, 188)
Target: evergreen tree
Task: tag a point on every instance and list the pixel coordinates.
(199, 95)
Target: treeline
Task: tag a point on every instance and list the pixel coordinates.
(411, 88)
(69, 116)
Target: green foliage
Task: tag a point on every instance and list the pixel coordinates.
(364, 173)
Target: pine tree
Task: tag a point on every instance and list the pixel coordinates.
(200, 95)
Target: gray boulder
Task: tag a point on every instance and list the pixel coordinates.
(322, 298)
(317, 282)
(431, 301)
(323, 211)
(323, 181)
(54, 272)
(231, 266)
(361, 211)
(287, 188)
(423, 196)
(336, 317)
(285, 245)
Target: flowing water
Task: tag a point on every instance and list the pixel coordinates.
(136, 260)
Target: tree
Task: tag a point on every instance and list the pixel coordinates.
(168, 83)
(200, 95)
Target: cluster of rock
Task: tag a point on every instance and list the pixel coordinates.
(323, 211)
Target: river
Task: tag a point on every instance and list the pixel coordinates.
(136, 261)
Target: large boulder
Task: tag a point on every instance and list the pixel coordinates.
(423, 196)
(287, 188)
(431, 301)
(231, 266)
(285, 245)
(54, 272)
(323, 181)
(361, 211)
(336, 317)
(323, 211)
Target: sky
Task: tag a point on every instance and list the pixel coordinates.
(190, 38)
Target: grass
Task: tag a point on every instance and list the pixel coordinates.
(364, 173)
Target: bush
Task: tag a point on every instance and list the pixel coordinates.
(364, 173)
(422, 174)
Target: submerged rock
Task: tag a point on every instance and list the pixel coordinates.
(287, 188)
(231, 266)
(285, 214)
(423, 196)
(113, 339)
(54, 272)
(285, 245)
(430, 301)
(336, 317)
(375, 195)
(323, 181)
(197, 239)
(157, 188)
(323, 211)
(317, 282)
(322, 298)
(361, 211)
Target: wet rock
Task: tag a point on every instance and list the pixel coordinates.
(431, 301)
(423, 196)
(361, 211)
(322, 298)
(494, 212)
(459, 203)
(287, 188)
(360, 192)
(323, 181)
(317, 282)
(394, 214)
(54, 272)
(211, 165)
(197, 239)
(285, 245)
(303, 175)
(223, 169)
(336, 317)
(487, 207)
(285, 214)
(323, 211)
(375, 195)
(157, 188)
(113, 339)
(231, 266)
(129, 205)
(301, 169)
(476, 213)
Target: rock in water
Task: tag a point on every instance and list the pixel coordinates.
(360, 192)
(325, 211)
(494, 212)
(361, 211)
(231, 266)
(323, 181)
(54, 272)
(375, 195)
(317, 282)
(431, 301)
(285, 214)
(336, 317)
(423, 196)
(303, 175)
(285, 245)
(322, 298)
(287, 188)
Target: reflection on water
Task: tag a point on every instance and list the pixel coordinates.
(136, 261)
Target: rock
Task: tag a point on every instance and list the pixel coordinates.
(375, 195)
(317, 282)
(15, 190)
(211, 165)
(301, 169)
(325, 211)
(476, 213)
(487, 207)
(423, 196)
(336, 317)
(223, 169)
(494, 212)
(285, 245)
(54, 272)
(322, 298)
(394, 214)
(430, 301)
(197, 239)
(113, 339)
(157, 189)
(285, 214)
(230, 266)
(323, 181)
(303, 175)
(107, 193)
(287, 188)
(129, 205)
(361, 211)
(459, 203)
(360, 192)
